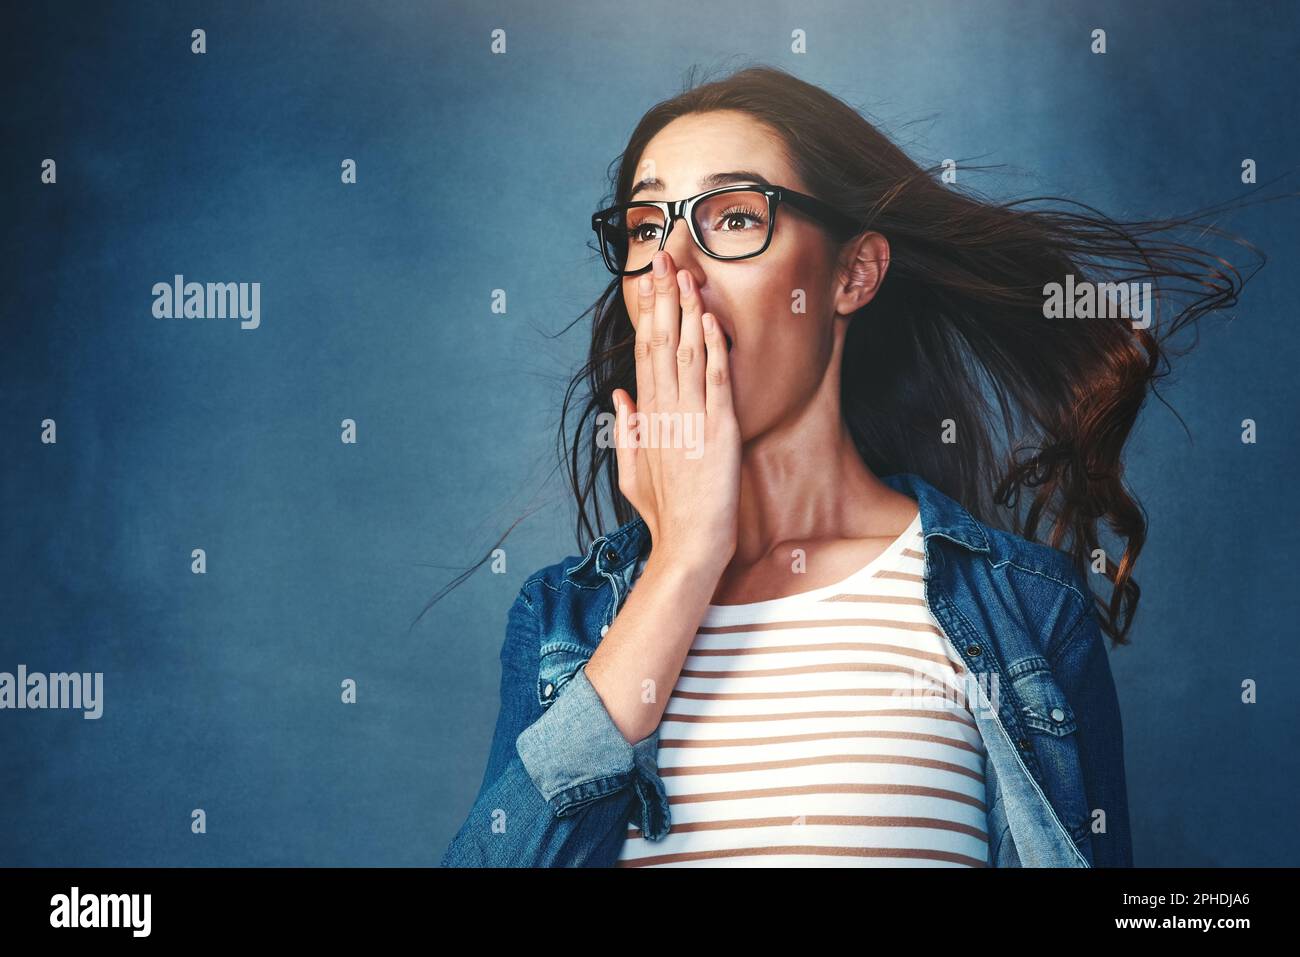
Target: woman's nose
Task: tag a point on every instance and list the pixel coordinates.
(680, 245)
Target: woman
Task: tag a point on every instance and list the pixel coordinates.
(813, 640)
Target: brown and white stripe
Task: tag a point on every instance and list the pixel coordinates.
(824, 729)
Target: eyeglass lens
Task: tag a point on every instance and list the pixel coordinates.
(728, 224)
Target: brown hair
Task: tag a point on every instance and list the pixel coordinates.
(957, 326)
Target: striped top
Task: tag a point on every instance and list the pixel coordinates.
(824, 729)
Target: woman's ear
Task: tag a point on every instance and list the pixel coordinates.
(863, 262)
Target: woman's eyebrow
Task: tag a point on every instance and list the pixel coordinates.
(712, 181)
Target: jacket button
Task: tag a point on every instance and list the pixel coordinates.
(1058, 715)
(604, 630)
(611, 555)
(548, 690)
(972, 649)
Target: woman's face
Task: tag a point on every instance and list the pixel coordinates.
(780, 307)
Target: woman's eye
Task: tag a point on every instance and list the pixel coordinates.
(637, 233)
(741, 214)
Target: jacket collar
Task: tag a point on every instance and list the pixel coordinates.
(940, 515)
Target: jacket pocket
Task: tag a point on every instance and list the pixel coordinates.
(560, 661)
(1043, 706)
(1052, 728)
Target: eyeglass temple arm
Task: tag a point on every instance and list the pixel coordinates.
(823, 211)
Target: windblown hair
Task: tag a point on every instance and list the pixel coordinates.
(956, 329)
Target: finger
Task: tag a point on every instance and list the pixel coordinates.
(691, 357)
(664, 335)
(717, 377)
(640, 483)
(624, 449)
(645, 380)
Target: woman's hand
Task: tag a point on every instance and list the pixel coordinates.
(680, 468)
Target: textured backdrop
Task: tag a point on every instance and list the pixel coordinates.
(477, 172)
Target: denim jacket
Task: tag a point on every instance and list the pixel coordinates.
(562, 783)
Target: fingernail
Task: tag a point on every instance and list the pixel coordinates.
(647, 285)
(684, 281)
(661, 266)
(708, 322)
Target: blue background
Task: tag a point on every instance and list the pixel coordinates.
(221, 691)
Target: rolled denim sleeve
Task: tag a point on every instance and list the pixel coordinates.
(1082, 665)
(561, 784)
(575, 753)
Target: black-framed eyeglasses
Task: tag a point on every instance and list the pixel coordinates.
(732, 222)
